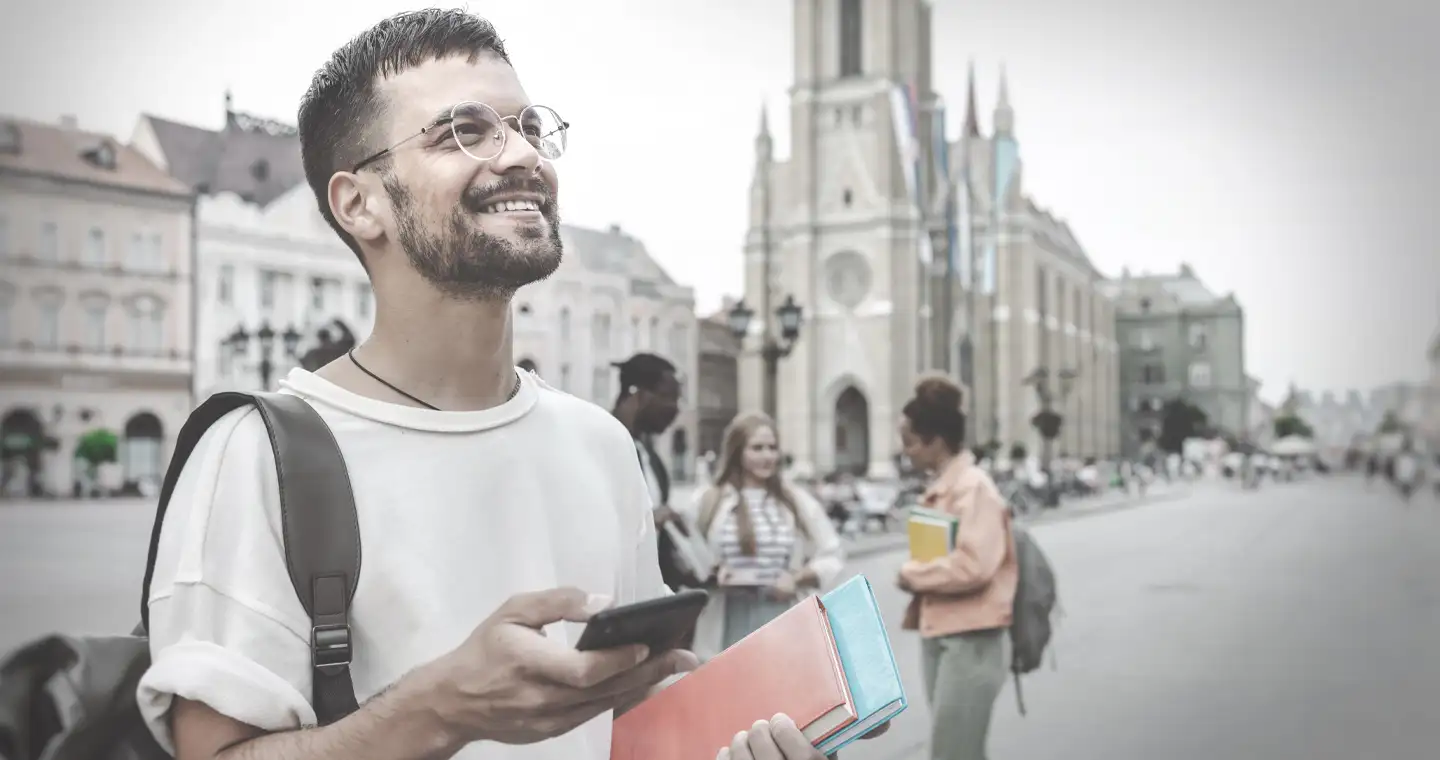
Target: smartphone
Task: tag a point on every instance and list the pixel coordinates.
(660, 624)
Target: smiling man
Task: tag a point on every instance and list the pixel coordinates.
(430, 161)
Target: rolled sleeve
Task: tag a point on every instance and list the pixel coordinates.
(226, 627)
(210, 649)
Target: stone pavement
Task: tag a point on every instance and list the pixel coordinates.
(1297, 622)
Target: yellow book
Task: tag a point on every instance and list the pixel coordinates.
(930, 538)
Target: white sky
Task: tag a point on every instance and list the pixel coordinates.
(1288, 153)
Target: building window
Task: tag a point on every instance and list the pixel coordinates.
(601, 389)
(47, 334)
(137, 256)
(565, 377)
(634, 336)
(851, 38)
(600, 336)
(95, 312)
(49, 248)
(157, 252)
(564, 326)
(95, 248)
(267, 290)
(1198, 337)
(679, 340)
(317, 294)
(7, 302)
(1200, 374)
(147, 321)
(1145, 339)
(225, 287)
(654, 344)
(1153, 374)
(364, 299)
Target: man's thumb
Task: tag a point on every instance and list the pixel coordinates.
(538, 609)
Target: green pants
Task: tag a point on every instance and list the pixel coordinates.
(964, 674)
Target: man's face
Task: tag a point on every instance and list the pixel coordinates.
(660, 407)
(448, 212)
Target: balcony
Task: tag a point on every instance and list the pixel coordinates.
(28, 261)
(26, 354)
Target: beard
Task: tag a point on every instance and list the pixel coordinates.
(464, 262)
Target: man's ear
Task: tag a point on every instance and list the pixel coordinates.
(352, 200)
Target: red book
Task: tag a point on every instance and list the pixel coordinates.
(790, 666)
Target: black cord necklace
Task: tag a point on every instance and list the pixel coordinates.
(391, 386)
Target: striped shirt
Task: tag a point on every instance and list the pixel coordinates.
(774, 540)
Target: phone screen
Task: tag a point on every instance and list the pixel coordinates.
(660, 624)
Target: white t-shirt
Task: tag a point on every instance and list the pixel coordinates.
(458, 511)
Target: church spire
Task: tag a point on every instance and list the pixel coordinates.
(764, 146)
(972, 124)
(1004, 114)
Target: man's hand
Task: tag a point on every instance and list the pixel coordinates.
(664, 515)
(778, 739)
(509, 683)
(775, 739)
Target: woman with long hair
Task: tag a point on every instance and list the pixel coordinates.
(773, 542)
(962, 602)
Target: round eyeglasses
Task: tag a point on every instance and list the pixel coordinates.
(481, 132)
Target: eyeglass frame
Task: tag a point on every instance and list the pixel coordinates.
(449, 121)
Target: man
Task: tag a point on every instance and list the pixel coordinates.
(647, 406)
(428, 159)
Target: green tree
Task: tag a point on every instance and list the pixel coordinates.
(1390, 424)
(97, 447)
(1290, 424)
(1181, 420)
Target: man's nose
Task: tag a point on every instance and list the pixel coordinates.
(518, 156)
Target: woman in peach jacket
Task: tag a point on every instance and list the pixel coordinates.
(962, 602)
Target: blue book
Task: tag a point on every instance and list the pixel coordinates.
(867, 658)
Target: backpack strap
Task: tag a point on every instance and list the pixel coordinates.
(321, 529)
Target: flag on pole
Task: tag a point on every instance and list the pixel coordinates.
(1007, 154)
(902, 107)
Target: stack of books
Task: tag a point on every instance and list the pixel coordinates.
(932, 533)
(826, 662)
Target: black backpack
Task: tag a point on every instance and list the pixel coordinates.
(1031, 626)
(73, 698)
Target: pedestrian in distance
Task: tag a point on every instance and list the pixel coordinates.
(963, 603)
(497, 514)
(774, 543)
(648, 403)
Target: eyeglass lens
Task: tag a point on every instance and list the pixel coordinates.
(480, 132)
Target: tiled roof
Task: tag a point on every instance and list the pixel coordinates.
(257, 159)
(67, 153)
(615, 252)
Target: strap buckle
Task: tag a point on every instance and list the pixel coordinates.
(330, 645)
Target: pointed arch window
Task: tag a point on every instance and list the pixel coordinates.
(851, 36)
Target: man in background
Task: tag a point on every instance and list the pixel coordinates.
(648, 404)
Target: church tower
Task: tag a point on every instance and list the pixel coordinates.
(839, 225)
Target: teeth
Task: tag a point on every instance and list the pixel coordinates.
(496, 208)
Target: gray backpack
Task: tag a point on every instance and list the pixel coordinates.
(1035, 600)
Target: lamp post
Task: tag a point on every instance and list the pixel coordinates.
(772, 350)
(1048, 421)
(239, 341)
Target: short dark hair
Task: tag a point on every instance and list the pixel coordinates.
(339, 112)
(643, 371)
(937, 410)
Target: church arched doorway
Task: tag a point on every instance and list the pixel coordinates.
(852, 432)
(143, 453)
(22, 441)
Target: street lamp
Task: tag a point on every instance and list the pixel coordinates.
(239, 341)
(1048, 421)
(790, 315)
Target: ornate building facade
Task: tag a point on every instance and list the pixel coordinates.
(840, 226)
(95, 312)
(265, 257)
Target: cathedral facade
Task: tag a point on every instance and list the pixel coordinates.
(911, 253)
